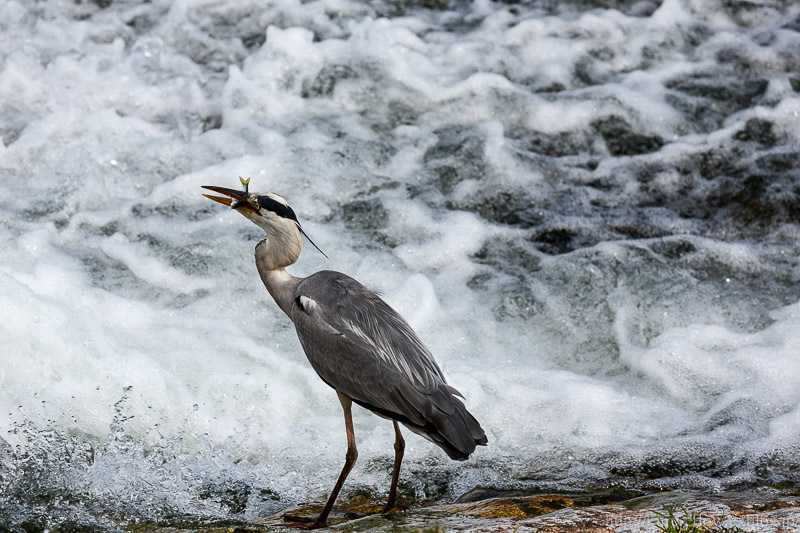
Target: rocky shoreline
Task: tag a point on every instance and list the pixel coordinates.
(728, 512)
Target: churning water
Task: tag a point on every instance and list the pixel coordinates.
(589, 213)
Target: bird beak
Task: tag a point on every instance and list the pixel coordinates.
(237, 198)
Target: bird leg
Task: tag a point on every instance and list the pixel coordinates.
(399, 448)
(349, 461)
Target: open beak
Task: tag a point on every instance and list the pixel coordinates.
(236, 198)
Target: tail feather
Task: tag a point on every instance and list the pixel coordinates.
(457, 434)
(438, 416)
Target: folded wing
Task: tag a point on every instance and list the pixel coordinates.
(363, 348)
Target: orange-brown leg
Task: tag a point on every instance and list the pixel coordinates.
(399, 449)
(349, 461)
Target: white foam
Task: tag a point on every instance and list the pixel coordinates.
(132, 318)
(148, 268)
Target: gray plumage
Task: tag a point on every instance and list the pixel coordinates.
(357, 343)
(363, 348)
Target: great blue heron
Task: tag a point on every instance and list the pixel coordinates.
(357, 343)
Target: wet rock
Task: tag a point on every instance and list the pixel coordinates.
(554, 513)
(457, 156)
(554, 87)
(401, 113)
(10, 130)
(326, 80)
(143, 23)
(586, 71)
(558, 145)
(455, 142)
(518, 507)
(726, 192)
(523, 218)
(621, 140)
(366, 214)
(638, 8)
(707, 100)
(212, 121)
(749, 13)
(673, 249)
(713, 163)
(235, 495)
(366, 502)
(757, 130)
(398, 8)
(555, 241)
(254, 39)
(762, 196)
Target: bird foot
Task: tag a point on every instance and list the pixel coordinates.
(393, 508)
(303, 522)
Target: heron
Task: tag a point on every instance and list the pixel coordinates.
(359, 345)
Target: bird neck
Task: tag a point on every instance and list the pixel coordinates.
(281, 286)
(273, 254)
(280, 248)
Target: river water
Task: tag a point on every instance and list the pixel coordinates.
(589, 211)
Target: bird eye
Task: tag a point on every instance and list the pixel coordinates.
(254, 203)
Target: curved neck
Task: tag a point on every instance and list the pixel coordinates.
(281, 286)
(273, 253)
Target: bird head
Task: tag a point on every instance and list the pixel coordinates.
(266, 210)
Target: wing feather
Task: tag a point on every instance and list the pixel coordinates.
(363, 348)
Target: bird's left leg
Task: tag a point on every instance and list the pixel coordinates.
(399, 449)
(350, 460)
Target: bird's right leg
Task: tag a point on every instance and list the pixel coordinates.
(399, 449)
(349, 461)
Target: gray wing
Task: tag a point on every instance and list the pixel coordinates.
(364, 349)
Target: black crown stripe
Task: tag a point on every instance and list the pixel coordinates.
(276, 207)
